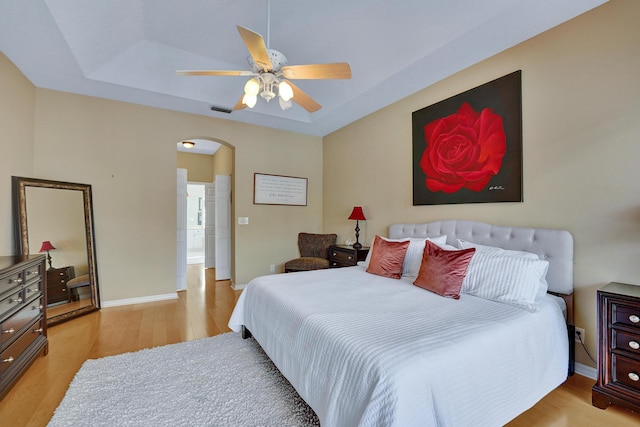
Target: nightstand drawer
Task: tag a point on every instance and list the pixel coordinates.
(346, 256)
(624, 341)
(343, 257)
(626, 371)
(622, 314)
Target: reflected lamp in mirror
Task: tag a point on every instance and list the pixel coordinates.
(357, 215)
(46, 247)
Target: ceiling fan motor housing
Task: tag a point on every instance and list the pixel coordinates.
(278, 60)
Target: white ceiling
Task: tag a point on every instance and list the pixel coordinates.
(128, 50)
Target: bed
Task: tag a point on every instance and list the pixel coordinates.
(366, 350)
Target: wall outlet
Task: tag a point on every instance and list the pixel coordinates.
(272, 268)
(580, 334)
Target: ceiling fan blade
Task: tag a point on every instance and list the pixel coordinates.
(304, 100)
(339, 70)
(214, 73)
(240, 105)
(257, 48)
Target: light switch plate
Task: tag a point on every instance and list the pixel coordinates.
(243, 220)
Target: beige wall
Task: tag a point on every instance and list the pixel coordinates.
(17, 112)
(57, 215)
(199, 166)
(581, 110)
(128, 154)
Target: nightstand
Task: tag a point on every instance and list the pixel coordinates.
(346, 256)
(57, 279)
(618, 347)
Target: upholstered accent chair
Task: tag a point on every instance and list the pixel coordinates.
(314, 252)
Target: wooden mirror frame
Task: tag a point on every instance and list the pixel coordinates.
(21, 230)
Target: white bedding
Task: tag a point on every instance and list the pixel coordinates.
(364, 350)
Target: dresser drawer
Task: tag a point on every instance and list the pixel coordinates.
(15, 324)
(13, 352)
(32, 289)
(625, 371)
(624, 341)
(11, 302)
(10, 281)
(623, 314)
(33, 273)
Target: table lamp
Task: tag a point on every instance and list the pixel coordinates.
(358, 215)
(47, 246)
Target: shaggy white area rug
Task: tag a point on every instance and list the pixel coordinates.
(218, 381)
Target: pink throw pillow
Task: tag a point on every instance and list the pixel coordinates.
(442, 271)
(387, 258)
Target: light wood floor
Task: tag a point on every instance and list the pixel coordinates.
(203, 310)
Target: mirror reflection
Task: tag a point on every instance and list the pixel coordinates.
(55, 218)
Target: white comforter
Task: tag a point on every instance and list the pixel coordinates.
(363, 350)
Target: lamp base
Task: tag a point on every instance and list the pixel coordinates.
(357, 245)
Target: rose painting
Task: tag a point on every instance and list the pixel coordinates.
(468, 148)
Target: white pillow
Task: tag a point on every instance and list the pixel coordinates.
(463, 244)
(508, 279)
(413, 257)
(543, 285)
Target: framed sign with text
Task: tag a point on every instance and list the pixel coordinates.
(279, 190)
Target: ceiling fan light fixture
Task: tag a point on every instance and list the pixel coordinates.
(188, 144)
(249, 100)
(285, 91)
(285, 105)
(252, 87)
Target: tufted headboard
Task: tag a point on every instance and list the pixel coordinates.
(555, 246)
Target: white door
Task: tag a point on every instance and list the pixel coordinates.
(181, 218)
(209, 225)
(223, 227)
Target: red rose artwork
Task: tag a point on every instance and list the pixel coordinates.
(468, 148)
(463, 150)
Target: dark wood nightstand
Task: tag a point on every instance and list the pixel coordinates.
(346, 256)
(57, 279)
(618, 347)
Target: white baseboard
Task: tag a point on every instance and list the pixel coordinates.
(238, 287)
(586, 371)
(139, 300)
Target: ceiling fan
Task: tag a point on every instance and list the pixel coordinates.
(271, 73)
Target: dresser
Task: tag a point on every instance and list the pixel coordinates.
(23, 325)
(57, 279)
(346, 256)
(618, 347)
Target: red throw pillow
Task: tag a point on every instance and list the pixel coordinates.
(387, 258)
(442, 271)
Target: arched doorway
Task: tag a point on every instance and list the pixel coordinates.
(210, 162)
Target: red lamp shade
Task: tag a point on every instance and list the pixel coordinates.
(357, 214)
(46, 246)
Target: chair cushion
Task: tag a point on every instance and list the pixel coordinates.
(306, 263)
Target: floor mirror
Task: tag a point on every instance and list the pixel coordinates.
(56, 218)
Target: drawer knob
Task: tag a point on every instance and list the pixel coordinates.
(634, 318)
(350, 257)
(18, 280)
(8, 360)
(335, 254)
(37, 331)
(18, 300)
(633, 376)
(634, 345)
(8, 331)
